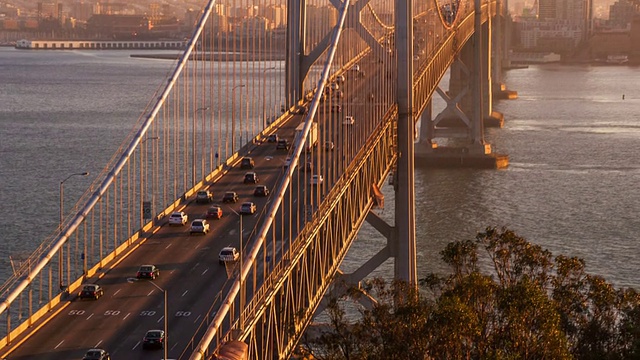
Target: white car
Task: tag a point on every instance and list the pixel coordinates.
(348, 120)
(199, 226)
(316, 180)
(228, 254)
(178, 218)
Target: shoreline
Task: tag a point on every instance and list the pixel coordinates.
(238, 56)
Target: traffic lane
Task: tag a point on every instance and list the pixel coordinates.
(69, 328)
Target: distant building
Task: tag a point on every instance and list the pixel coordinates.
(621, 13)
(119, 26)
(556, 25)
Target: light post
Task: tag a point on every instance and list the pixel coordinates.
(193, 149)
(62, 219)
(166, 333)
(264, 96)
(242, 290)
(233, 117)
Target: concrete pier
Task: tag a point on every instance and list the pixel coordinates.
(460, 157)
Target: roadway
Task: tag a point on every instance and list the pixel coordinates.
(189, 268)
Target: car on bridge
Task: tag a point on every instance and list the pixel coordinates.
(230, 197)
(348, 120)
(316, 180)
(329, 145)
(148, 272)
(153, 339)
(199, 226)
(247, 208)
(96, 354)
(282, 144)
(228, 254)
(247, 163)
(273, 138)
(91, 291)
(261, 190)
(214, 212)
(250, 178)
(204, 196)
(178, 218)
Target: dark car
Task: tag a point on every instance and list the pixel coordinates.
(261, 190)
(91, 291)
(282, 144)
(153, 339)
(148, 272)
(230, 197)
(336, 108)
(214, 212)
(204, 196)
(96, 354)
(247, 163)
(273, 138)
(250, 178)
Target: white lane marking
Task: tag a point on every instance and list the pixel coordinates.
(135, 346)
(166, 247)
(205, 271)
(90, 316)
(161, 317)
(98, 344)
(60, 343)
(126, 316)
(150, 292)
(174, 346)
(114, 294)
(185, 293)
(196, 320)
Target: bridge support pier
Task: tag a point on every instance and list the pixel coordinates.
(470, 93)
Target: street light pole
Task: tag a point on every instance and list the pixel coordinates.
(62, 219)
(166, 328)
(233, 117)
(264, 96)
(193, 148)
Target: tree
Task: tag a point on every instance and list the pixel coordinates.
(526, 305)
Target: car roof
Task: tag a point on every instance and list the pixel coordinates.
(247, 203)
(147, 265)
(230, 192)
(177, 213)
(228, 248)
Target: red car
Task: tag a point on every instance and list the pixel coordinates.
(148, 272)
(91, 291)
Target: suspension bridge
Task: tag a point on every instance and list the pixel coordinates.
(325, 98)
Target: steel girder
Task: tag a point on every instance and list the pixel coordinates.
(277, 316)
(427, 79)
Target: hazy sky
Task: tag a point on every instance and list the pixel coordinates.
(600, 7)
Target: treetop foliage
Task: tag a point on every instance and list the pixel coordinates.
(529, 305)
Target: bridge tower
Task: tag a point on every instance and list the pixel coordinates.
(469, 109)
(402, 236)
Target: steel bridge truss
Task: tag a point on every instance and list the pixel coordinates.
(276, 317)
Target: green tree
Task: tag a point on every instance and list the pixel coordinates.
(525, 305)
